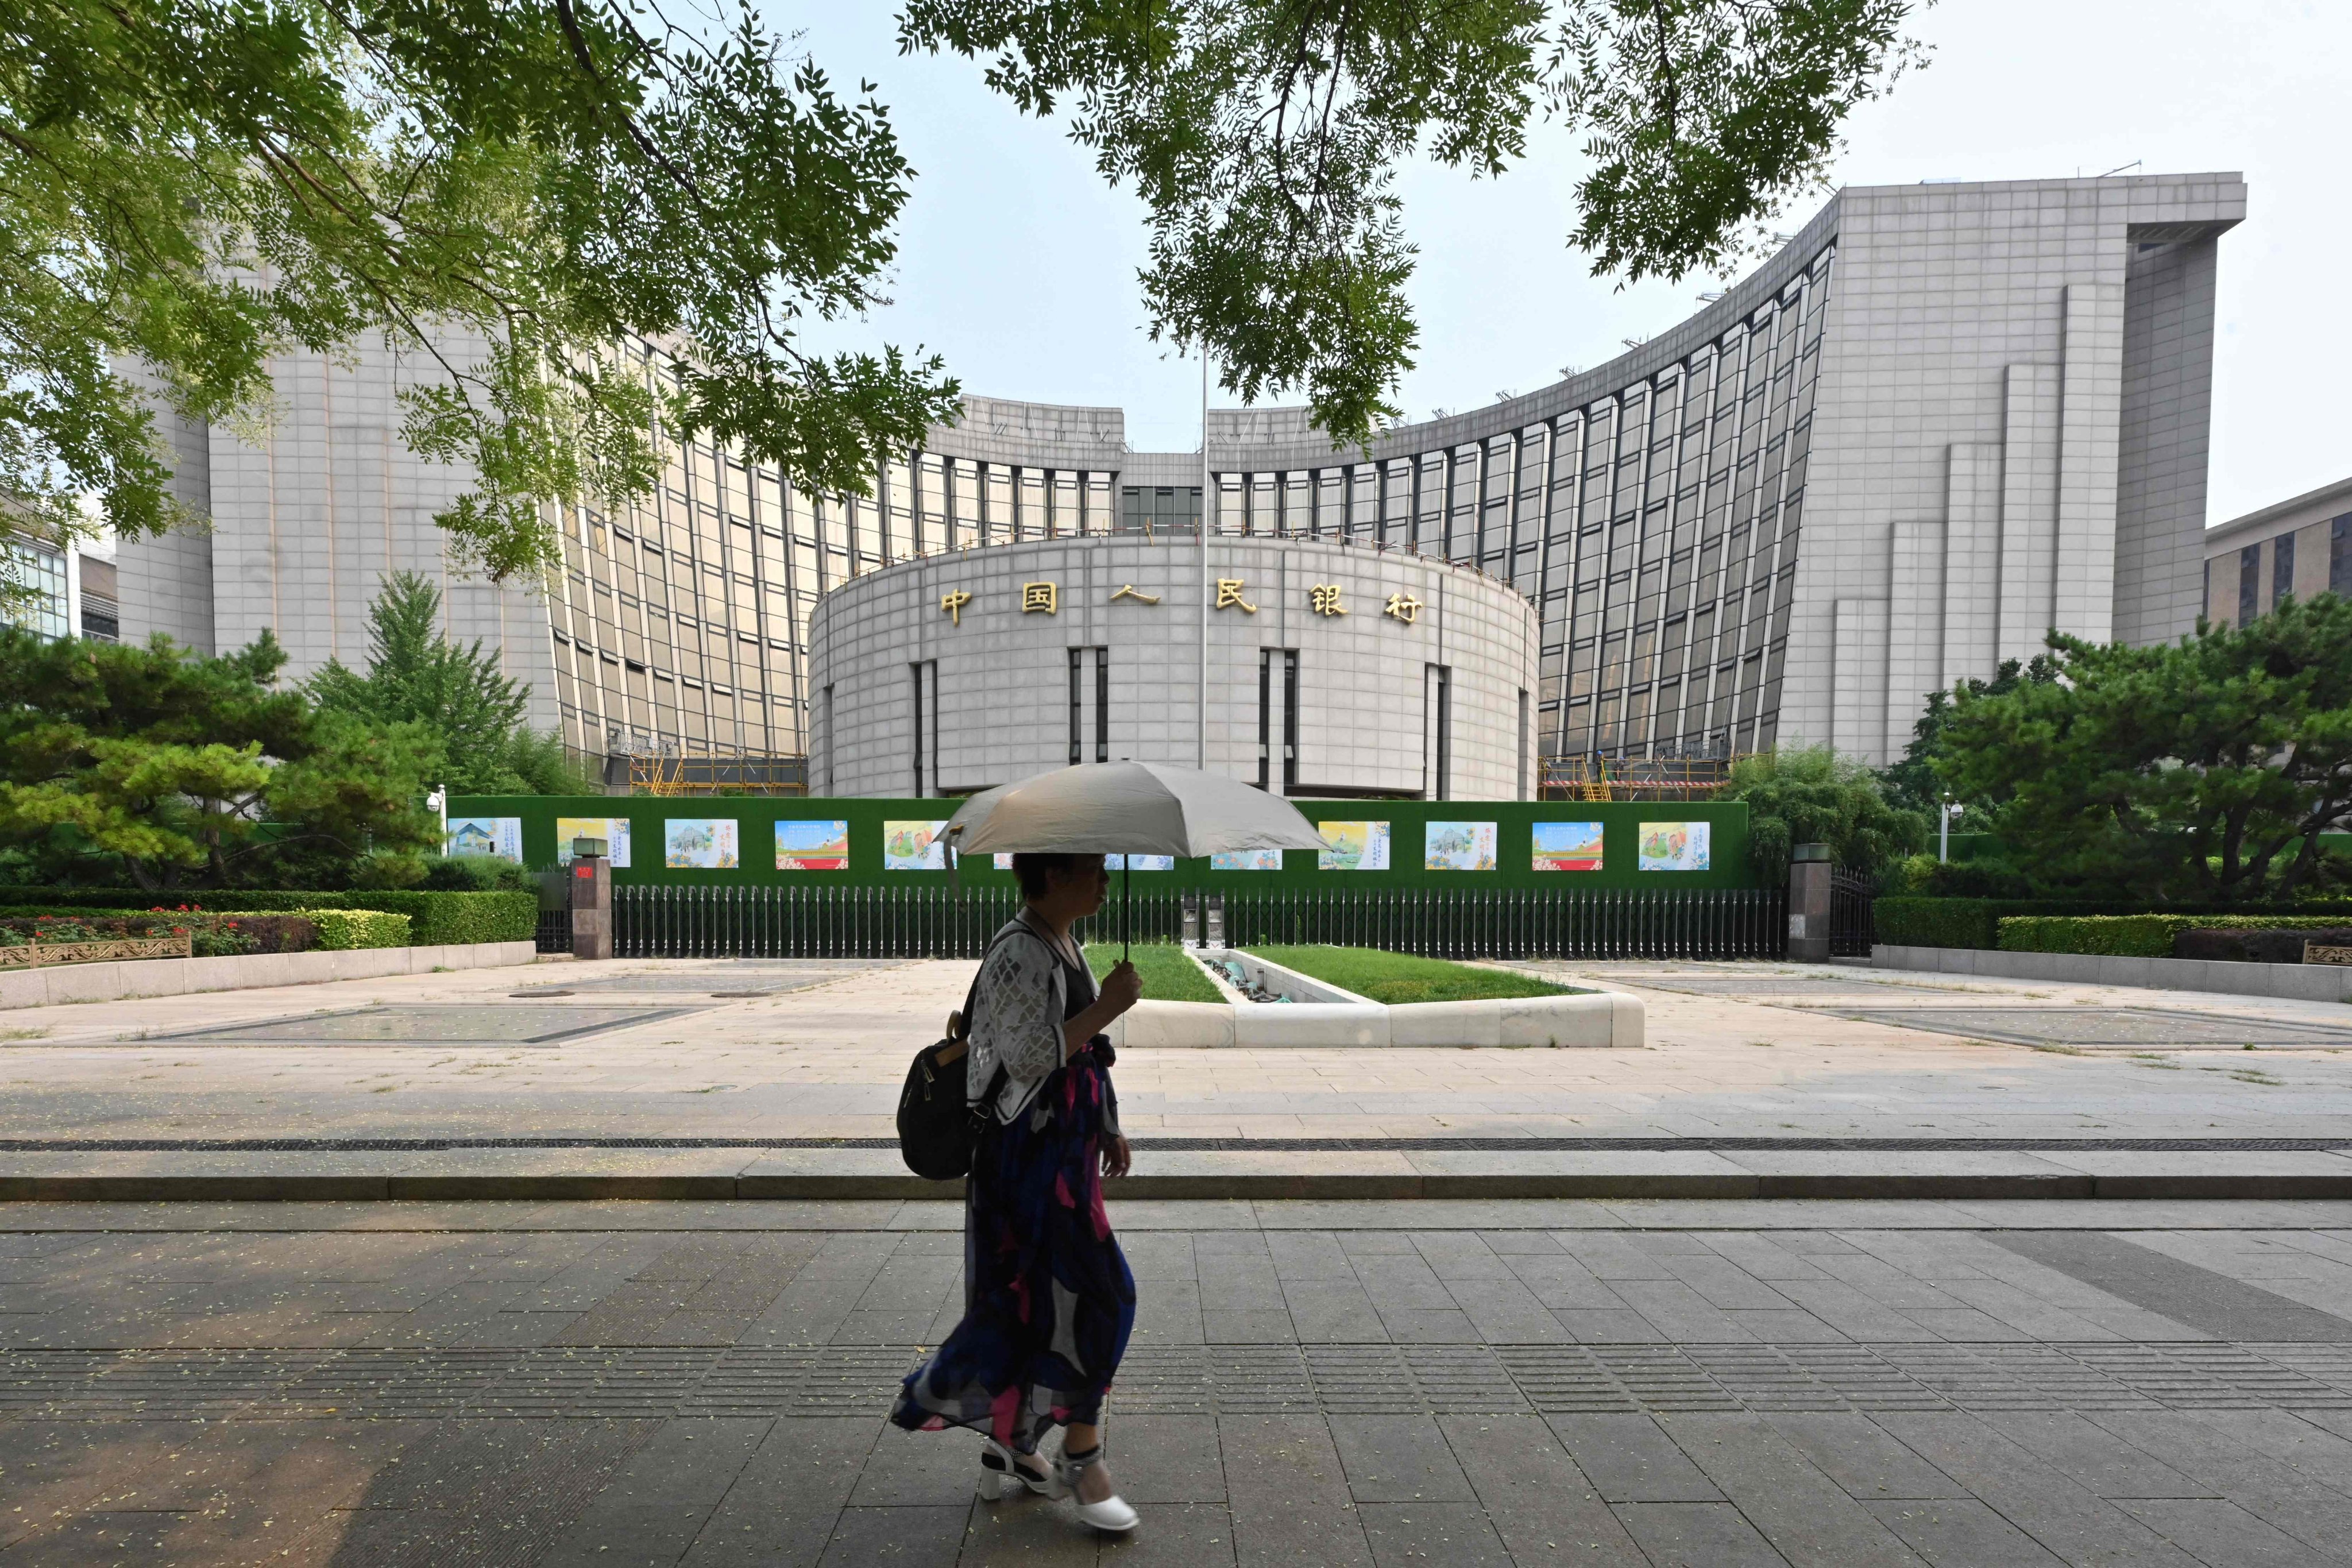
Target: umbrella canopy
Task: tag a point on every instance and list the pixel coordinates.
(1127, 808)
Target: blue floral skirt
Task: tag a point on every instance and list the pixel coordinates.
(1048, 1299)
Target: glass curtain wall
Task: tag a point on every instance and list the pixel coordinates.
(683, 625)
(1655, 528)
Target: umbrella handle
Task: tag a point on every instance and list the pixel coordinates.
(1126, 905)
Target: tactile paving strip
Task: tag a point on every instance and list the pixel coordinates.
(620, 1382)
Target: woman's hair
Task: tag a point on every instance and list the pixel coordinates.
(1035, 871)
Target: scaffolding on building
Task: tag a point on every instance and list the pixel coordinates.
(1594, 777)
(680, 771)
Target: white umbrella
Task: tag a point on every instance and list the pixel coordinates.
(1127, 808)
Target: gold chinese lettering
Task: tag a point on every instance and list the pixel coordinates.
(1403, 606)
(1323, 598)
(1129, 591)
(1229, 596)
(951, 603)
(1036, 596)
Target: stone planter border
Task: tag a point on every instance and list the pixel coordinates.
(113, 982)
(1599, 1019)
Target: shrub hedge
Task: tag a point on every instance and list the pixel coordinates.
(340, 930)
(434, 918)
(2137, 935)
(209, 936)
(1919, 921)
(2267, 945)
(1963, 922)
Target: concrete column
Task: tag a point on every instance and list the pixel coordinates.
(592, 907)
(1808, 903)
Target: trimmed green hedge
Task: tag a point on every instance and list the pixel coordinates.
(2136, 936)
(435, 919)
(1961, 922)
(341, 931)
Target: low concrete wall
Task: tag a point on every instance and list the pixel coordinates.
(247, 972)
(1600, 1019)
(2298, 982)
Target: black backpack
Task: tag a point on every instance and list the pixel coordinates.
(936, 1128)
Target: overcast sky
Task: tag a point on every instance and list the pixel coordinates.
(1019, 265)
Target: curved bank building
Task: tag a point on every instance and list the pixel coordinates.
(1943, 419)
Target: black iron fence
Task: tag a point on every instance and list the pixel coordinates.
(554, 933)
(1851, 930)
(929, 922)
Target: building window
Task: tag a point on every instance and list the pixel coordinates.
(2282, 568)
(2249, 572)
(1164, 509)
(1440, 697)
(1079, 658)
(926, 725)
(2339, 555)
(41, 573)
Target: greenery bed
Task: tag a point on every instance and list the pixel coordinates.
(435, 919)
(2138, 936)
(1168, 974)
(1395, 978)
(209, 936)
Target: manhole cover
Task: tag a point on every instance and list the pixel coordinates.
(425, 1025)
(736, 995)
(2121, 1028)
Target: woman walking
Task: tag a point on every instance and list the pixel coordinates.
(1048, 1299)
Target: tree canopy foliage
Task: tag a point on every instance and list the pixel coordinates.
(505, 192)
(2202, 771)
(415, 675)
(1810, 794)
(1264, 137)
(1911, 781)
(509, 193)
(174, 761)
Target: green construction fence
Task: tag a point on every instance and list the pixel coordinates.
(666, 835)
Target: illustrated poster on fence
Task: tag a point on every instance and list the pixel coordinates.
(612, 830)
(1004, 859)
(914, 846)
(700, 843)
(1458, 847)
(1353, 847)
(498, 836)
(1674, 845)
(1568, 846)
(1138, 862)
(811, 844)
(1246, 860)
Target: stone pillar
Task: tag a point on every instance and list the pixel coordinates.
(591, 906)
(1808, 903)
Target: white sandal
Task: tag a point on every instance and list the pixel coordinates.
(1003, 1474)
(1111, 1516)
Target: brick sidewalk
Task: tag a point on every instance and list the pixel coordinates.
(1377, 1384)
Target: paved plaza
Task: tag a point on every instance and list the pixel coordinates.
(778, 1077)
(1635, 1378)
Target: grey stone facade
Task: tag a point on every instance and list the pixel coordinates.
(921, 691)
(2300, 546)
(1939, 421)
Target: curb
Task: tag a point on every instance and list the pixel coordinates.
(325, 1187)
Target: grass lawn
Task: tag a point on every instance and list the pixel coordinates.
(1396, 977)
(1168, 974)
